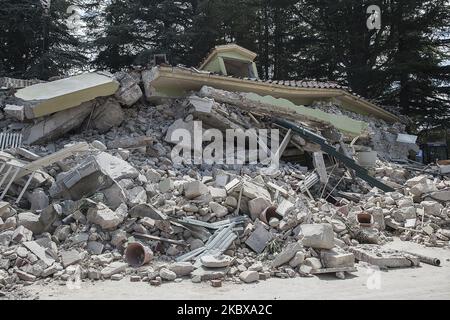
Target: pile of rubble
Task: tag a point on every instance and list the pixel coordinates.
(95, 195)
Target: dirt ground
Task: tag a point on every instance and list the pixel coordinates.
(424, 282)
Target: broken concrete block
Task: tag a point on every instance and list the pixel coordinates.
(258, 240)
(130, 143)
(232, 185)
(31, 222)
(114, 196)
(49, 271)
(201, 105)
(211, 261)
(336, 257)
(40, 252)
(216, 283)
(432, 207)
(22, 234)
(287, 254)
(403, 214)
(137, 195)
(106, 116)
(298, 259)
(4, 264)
(206, 274)
(153, 176)
(5, 210)
(118, 237)
(257, 266)
(83, 180)
(231, 201)
(10, 223)
(129, 91)
(50, 97)
(317, 235)
(256, 206)
(195, 189)
(49, 215)
(379, 256)
(166, 274)
(314, 263)
(69, 258)
(217, 193)
(17, 112)
(416, 180)
(6, 237)
(62, 233)
(218, 210)
(284, 207)
(116, 168)
(421, 188)
(113, 268)
(95, 247)
(105, 217)
(166, 185)
(442, 195)
(25, 276)
(181, 269)
(179, 125)
(147, 210)
(249, 276)
(57, 125)
(94, 274)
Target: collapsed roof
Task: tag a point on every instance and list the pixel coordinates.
(231, 68)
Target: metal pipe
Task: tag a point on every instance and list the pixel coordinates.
(428, 260)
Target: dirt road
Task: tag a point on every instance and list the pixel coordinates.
(425, 282)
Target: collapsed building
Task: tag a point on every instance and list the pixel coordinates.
(89, 190)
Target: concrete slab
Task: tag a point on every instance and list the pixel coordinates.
(47, 98)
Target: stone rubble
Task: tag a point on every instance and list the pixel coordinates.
(92, 204)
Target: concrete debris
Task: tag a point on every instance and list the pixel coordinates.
(106, 218)
(287, 254)
(381, 257)
(57, 125)
(129, 92)
(17, 112)
(113, 268)
(69, 258)
(105, 116)
(336, 257)
(181, 269)
(78, 207)
(318, 236)
(259, 239)
(195, 189)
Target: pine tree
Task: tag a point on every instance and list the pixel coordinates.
(133, 31)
